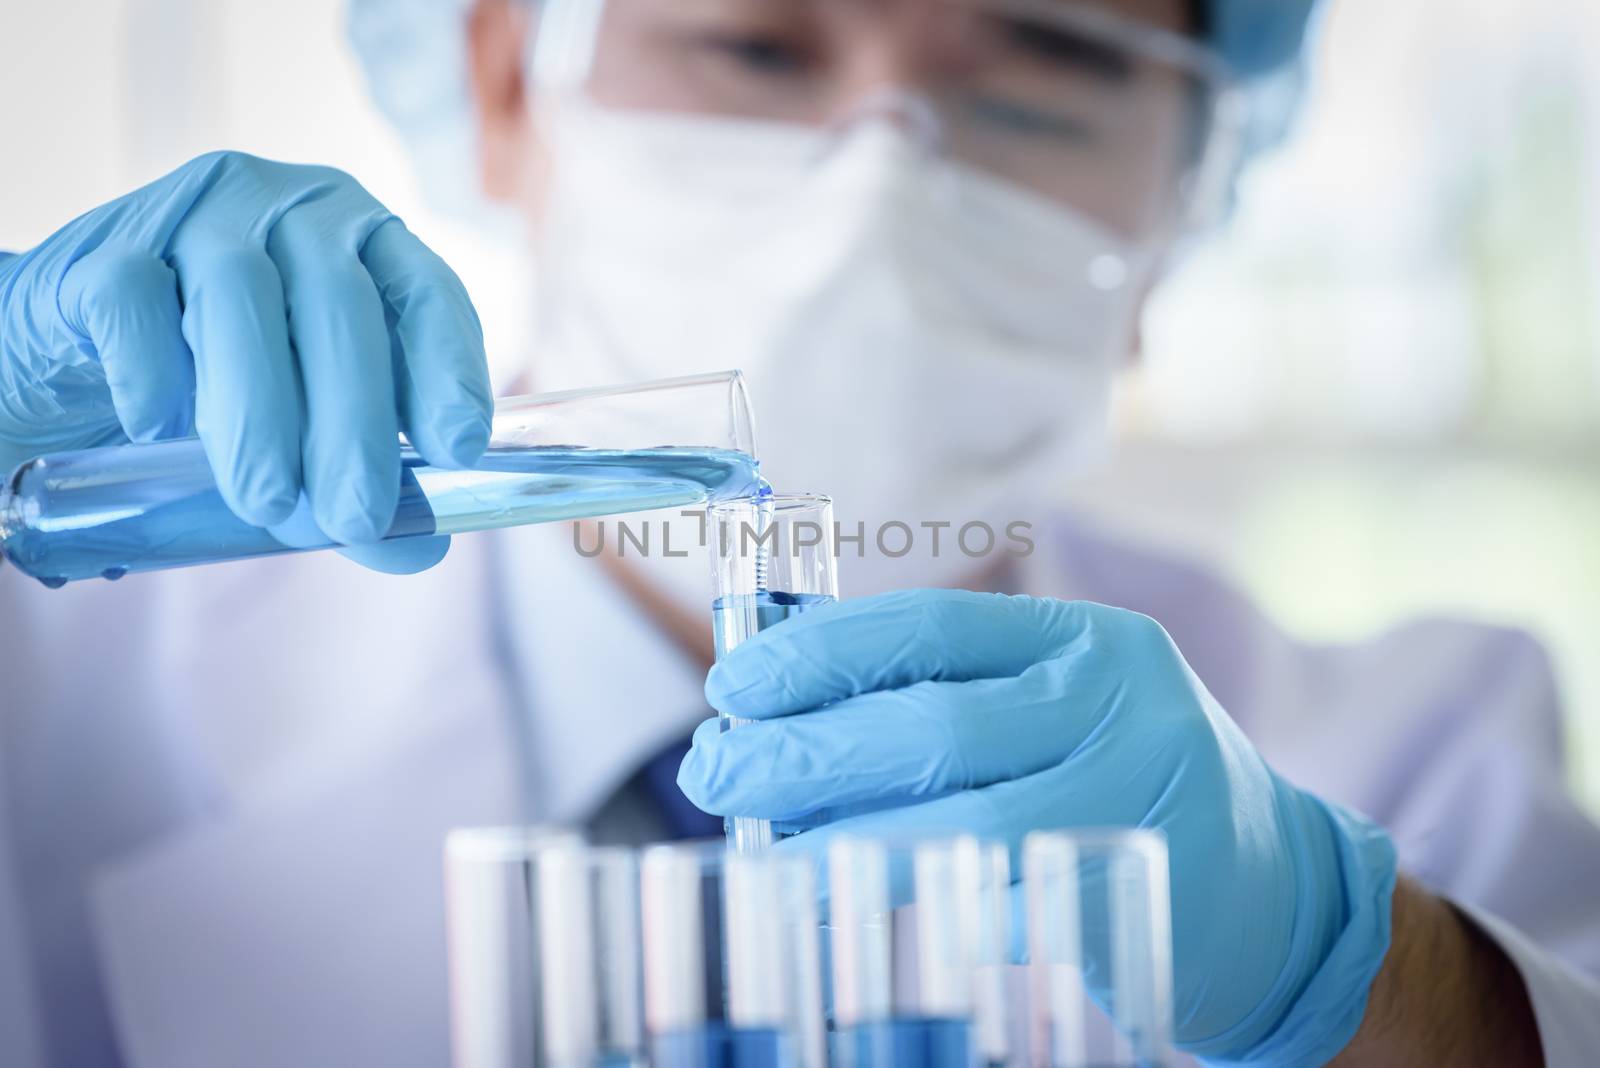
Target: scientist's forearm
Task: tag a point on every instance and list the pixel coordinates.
(1446, 994)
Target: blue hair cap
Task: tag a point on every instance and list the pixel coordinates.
(1257, 37)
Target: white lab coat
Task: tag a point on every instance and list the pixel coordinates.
(223, 792)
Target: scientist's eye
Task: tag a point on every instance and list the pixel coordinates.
(765, 55)
(1067, 53)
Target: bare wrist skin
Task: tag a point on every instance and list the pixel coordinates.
(1446, 994)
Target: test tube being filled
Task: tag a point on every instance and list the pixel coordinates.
(544, 951)
(1099, 948)
(113, 511)
(919, 944)
(731, 959)
(772, 559)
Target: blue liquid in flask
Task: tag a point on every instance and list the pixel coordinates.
(115, 511)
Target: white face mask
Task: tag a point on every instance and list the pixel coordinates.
(923, 342)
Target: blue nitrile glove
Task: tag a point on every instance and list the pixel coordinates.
(1003, 715)
(277, 310)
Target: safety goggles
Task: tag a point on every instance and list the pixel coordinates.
(1135, 125)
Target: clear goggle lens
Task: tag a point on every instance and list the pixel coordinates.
(1131, 124)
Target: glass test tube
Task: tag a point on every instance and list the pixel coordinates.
(731, 959)
(112, 511)
(919, 939)
(544, 951)
(1099, 948)
(772, 558)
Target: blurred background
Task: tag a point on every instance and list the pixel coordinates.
(1376, 395)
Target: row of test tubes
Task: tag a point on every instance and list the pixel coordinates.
(875, 955)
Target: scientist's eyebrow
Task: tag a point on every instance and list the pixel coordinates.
(1064, 47)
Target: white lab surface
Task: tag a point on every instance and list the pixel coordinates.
(224, 792)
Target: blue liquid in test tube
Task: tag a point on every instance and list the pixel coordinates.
(914, 1042)
(718, 1046)
(773, 560)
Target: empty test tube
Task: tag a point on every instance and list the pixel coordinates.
(544, 951)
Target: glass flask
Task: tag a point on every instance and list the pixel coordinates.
(121, 509)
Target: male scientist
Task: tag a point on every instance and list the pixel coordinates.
(925, 229)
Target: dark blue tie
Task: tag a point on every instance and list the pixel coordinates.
(678, 814)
